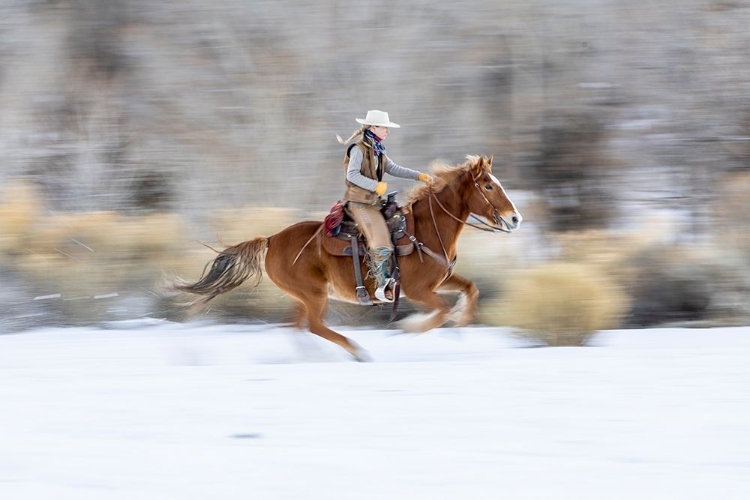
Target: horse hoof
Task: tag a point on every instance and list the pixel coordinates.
(412, 324)
(362, 356)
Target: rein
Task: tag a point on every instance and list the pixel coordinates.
(446, 262)
(488, 227)
(444, 259)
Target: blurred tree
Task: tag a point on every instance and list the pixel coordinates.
(571, 171)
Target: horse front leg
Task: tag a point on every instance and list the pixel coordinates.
(426, 300)
(465, 310)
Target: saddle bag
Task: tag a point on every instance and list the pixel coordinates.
(332, 221)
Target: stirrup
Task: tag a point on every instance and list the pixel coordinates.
(381, 290)
(363, 297)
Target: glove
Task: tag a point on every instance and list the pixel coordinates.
(425, 177)
(381, 189)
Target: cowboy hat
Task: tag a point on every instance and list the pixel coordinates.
(378, 119)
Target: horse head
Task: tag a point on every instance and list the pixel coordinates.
(486, 199)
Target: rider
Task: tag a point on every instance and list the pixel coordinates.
(365, 163)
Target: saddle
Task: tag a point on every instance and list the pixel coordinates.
(343, 238)
(338, 238)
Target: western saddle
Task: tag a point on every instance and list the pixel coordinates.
(342, 237)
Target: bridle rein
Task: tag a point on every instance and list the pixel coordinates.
(488, 227)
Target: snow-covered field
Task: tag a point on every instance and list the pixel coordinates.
(198, 411)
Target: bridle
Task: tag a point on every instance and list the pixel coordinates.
(489, 228)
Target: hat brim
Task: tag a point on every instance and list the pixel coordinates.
(389, 124)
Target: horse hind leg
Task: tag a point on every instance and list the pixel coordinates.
(318, 328)
(300, 316)
(315, 308)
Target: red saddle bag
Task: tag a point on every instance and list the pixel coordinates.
(333, 220)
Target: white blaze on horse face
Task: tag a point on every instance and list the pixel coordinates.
(515, 210)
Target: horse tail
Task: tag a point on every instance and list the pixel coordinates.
(230, 269)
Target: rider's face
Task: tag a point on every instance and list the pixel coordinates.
(381, 132)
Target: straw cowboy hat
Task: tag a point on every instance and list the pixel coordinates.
(378, 118)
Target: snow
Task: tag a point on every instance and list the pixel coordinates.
(205, 411)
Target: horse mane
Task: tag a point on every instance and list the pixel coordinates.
(444, 175)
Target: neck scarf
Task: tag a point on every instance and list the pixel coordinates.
(374, 142)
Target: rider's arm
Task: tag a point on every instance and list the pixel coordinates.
(354, 174)
(397, 170)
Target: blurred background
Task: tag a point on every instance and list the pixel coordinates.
(133, 130)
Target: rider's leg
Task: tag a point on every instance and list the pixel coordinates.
(380, 248)
(380, 268)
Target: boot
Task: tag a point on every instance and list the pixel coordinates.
(380, 270)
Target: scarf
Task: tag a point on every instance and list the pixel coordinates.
(374, 142)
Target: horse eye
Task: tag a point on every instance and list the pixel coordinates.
(488, 187)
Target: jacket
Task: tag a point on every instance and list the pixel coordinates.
(369, 169)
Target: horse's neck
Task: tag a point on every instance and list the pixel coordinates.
(429, 216)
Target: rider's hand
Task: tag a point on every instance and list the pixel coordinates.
(425, 177)
(381, 189)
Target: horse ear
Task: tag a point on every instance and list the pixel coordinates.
(489, 163)
(478, 166)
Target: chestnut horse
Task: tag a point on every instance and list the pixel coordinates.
(298, 265)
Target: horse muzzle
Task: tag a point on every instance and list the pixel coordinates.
(507, 224)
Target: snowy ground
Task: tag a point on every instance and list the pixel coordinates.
(169, 411)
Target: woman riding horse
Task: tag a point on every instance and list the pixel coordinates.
(440, 210)
(365, 163)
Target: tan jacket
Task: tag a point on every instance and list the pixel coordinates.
(369, 169)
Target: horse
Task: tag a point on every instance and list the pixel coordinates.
(296, 262)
